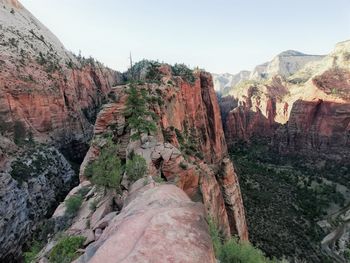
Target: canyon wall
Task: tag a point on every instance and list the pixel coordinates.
(306, 110)
(189, 133)
(46, 91)
(49, 100)
(188, 152)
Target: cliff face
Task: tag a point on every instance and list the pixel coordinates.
(189, 134)
(307, 110)
(188, 151)
(316, 125)
(38, 178)
(49, 100)
(51, 93)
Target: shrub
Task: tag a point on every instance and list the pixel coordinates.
(183, 71)
(30, 256)
(73, 204)
(65, 251)
(233, 251)
(107, 169)
(84, 190)
(93, 205)
(159, 179)
(136, 168)
(183, 165)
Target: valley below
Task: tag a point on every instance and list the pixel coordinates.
(293, 202)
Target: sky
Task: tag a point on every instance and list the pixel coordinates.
(219, 36)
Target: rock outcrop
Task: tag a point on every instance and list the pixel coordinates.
(189, 147)
(188, 152)
(158, 223)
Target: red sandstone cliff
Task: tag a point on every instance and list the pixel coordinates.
(308, 110)
(190, 133)
(48, 96)
(47, 91)
(188, 151)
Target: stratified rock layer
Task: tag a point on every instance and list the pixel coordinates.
(306, 111)
(51, 93)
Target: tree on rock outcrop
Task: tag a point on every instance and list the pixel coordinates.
(106, 171)
(138, 116)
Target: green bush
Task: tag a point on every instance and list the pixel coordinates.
(30, 256)
(107, 169)
(93, 205)
(233, 251)
(73, 204)
(183, 71)
(136, 167)
(183, 165)
(65, 251)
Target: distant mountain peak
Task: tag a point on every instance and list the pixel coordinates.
(291, 52)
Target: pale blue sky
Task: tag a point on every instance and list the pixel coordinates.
(220, 36)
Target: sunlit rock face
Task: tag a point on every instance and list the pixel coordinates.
(51, 92)
(305, 108)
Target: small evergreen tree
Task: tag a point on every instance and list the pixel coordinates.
(107, 169)
(136, 167)
(139, 117)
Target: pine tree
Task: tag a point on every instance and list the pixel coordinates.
(106, 171)
(139, 117)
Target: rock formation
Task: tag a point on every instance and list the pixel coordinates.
(189, 124)
(38, 178)
(52, 93)
(303, 108)
(188, 151)
(49, 99)
(297, 115)
(172, 228)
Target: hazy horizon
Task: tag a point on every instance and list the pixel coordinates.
(225, 36)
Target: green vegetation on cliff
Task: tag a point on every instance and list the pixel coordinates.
(106, 171)
(65, 251)
(136, 167)
(138, 116)
(230, 251)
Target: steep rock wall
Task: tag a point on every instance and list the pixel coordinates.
(189, 135)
